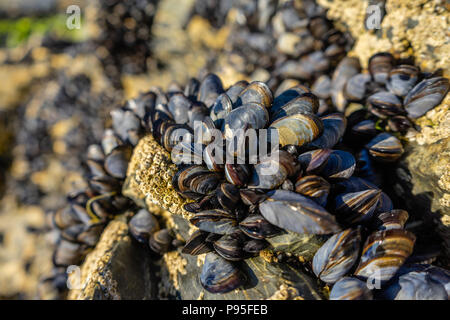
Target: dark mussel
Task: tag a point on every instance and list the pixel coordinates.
(394, 219)
(216, 221)
(219, 275)
(256, 227)
(380, 65)
(210, 88)
(313, 187)
(196, 244)
(330, 164)
(161, 241)
(230, 246)
(350, 289)
(384, 104)
(385, 148)
(228, 196)
(143, 225)
(337, 255)
(334, 126)
(356, 207)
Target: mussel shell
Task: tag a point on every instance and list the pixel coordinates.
(254, 246)
(252, 196)
(215, 221)
(330, 164)
(426, 95)
(66, 217)
(256, 227)
(228, 196)
(322, 87)
(179, 106)
(313, 187)
(333, 130)
(350, 289)
(196, 244)
(337, 255)
(116, 162)
(249, 116)
(68, 253)
(288, 95)
(384, 253)
(356, 87)
(357, 207)
(210, 88)
(160, 241)
(230, 246)
(175, 134)
(347, 68)
(380, 64)
(143, 225)
(385, 148)
(235, 90)
(307, 103)
(294, 212)
(109, 141)
(385, 104)
(402, 79)
(394, 219)
(220, 109)
(298, 129)
(219, 275)
(399, 124)
(256, 92)
(237, 174)
(363, 131)
(124, 122)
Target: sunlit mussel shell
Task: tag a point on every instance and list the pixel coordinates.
(384, 204)
(219, 275)
(127, 125)
(228, 196)
(192, 88)
(402, 79)
(235, 90)
(249, 116)
(82, 233)
(68, 216)
(237, 174)
(214, 156)
(179, 106)
(161, 241)
(350, 289)
(196, 244)
(356, 87)
(416, 286)
(314, 187)
(385, 148)
(110, 141)
(295, 44)
(305, 104)
(298, 129)
(356, 207)
(256, 92)
(143, 225)
(426, 95)
(143, 105)
(194, 181)
(380, 64)
(116, 162)
(330, 164)
(197, 114)
(384, 253)
(95, 153)
(175, 134)
(294, 212)
(256, 227)
(337, 255)
(363, 131)
(385, 104)
(68, 253)
(322, 87)
(288, 95)
(394, 219)
(347, 68)
(399, 124)
(271, 171)
(333, 130)
(215, 221)
(187, 152)
(210, 88)
(230, 246)
(220, 109)
(104, 184)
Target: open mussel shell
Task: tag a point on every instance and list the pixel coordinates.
(350, 289)
(294, 212)
(196, 244)
(219, 275)
(394, 219)
(313, 187)
(385, 148)
(333, 129)
(160, 241)
(215, 221)
(356, 207)
(402, 79)
(256, 227)
(143, 225)
(385, 104)
(330, 164)
(257, 92)
(272, 171)
(380, 65)
(384, 253)
(337, 255)
(425, 96)
(298, 129)
(210, 88)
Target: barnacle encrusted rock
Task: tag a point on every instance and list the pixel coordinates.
(118, 268)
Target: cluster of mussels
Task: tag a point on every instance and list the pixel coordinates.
(313, 191)
(306, 43)
(125, 34)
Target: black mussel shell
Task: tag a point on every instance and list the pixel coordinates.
(256, 227)
(219, 275)
(143, 225)
(196, 244)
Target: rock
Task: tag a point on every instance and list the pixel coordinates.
(118, 268)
